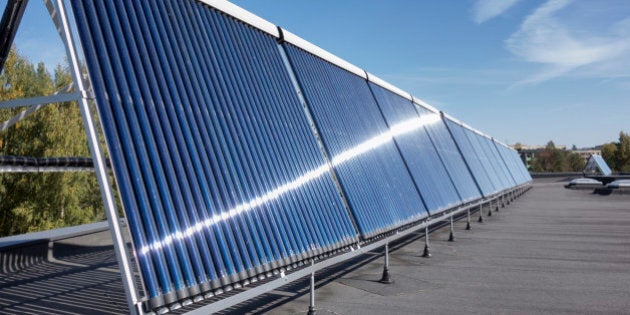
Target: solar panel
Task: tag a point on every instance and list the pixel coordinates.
(521, 166)
(451, 157)
(597, 164)
(237, 157)
(497, 162)
(220, 175)
(476, 161)
(513, 161)
(371, 171)
(423, 160)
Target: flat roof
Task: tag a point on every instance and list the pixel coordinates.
(553, 250)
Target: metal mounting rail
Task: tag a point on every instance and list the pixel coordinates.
(44, 169)
(286, 278)
(39, 100)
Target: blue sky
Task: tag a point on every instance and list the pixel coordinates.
(520, 70)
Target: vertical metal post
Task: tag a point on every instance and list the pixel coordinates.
(100, 166)
(480, 213)
(426, 253)
(468, 219)
(499, 203)
(496, 208)
(385, 278)
(451, 236)
(490, 208)
(311, 306)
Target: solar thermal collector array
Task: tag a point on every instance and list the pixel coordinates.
(241, 149)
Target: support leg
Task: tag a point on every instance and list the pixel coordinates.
(480, 213)
(311, 306)
(468, 219)
(451, 236)
(427, 252)
(386, 279)
(490, 208)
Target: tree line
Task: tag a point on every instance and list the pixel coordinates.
(40, 201)
(552, 159)
(617, 154)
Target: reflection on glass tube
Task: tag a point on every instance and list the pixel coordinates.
(373, 143)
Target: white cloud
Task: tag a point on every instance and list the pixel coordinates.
(485, 10)
(545, 37)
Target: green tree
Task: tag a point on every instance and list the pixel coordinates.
(617, 154)
(552, 159)
(574, 163)
(609, 153)
(33, 201)
(623, 152)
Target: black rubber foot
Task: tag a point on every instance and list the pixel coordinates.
(496, 209)
(386, 279)
(426, 253)
(480, 219)
(451, 238)
(490, 212)
(467, 226)
(311, 311)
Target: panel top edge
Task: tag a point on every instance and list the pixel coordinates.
(388, 86)
(244, 16)
(321, 53)
(424, 104)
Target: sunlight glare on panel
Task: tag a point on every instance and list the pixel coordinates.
(373, 143)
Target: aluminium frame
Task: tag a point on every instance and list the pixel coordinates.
(59, 15)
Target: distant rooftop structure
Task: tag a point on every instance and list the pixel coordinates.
(586, 154)
(596, 165)
(535, 147)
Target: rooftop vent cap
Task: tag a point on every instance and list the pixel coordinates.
(620, 183)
